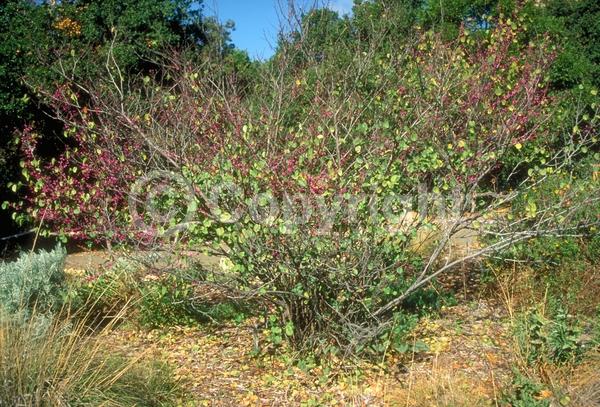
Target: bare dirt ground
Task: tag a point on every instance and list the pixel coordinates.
(467, 363)
(87, 260)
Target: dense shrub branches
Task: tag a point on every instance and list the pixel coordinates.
(335, 194)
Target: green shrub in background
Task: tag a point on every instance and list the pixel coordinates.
(172, 300)
(168, 299)
(167, 302)
(560, 269)
(524, 393)
(100, 295)
(33, 280)
(555, 339)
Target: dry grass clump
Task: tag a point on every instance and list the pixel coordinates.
(441, 386)
(58, 361)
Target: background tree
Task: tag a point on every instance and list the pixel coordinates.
(573, 25)
(44, 43)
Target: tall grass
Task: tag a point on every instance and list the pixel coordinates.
(58, 361)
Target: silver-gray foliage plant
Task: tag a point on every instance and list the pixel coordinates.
(33, 280)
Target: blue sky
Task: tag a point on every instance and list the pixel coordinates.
(257, 21)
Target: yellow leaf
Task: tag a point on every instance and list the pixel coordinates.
(544, 394)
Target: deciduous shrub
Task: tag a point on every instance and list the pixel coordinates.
(311, 189)
(439, 117)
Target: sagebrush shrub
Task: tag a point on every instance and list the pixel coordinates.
(33, 280)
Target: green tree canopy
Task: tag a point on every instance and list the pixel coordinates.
(40, 42)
